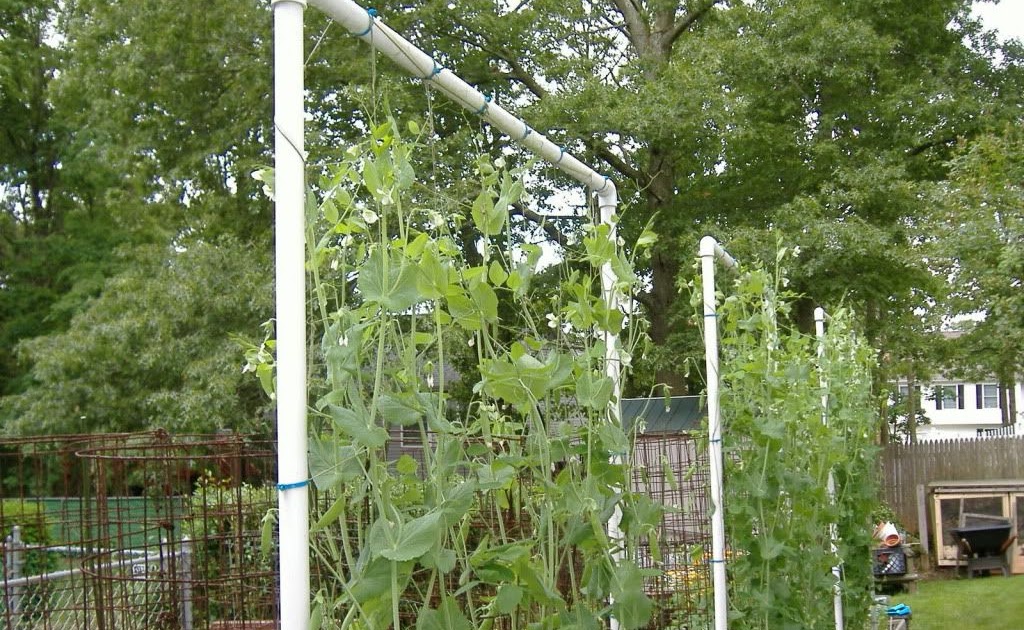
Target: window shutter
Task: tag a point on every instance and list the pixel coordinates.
(980, 395)
(960, 396)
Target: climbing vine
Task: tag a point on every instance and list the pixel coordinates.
(780, 453)
(491, 508)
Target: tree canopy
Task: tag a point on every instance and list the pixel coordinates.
(864, 132)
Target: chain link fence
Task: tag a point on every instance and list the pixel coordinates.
(45, 597)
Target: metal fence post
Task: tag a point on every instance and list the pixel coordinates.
(185, 575)
(14, 561)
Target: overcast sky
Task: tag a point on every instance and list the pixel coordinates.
(1007, 17)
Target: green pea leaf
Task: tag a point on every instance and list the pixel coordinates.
(389, 279)
(632, 607)
(488, 218)
(361, 429)
(507, 599)
(446, 617)
(405, 540)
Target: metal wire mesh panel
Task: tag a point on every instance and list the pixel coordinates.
(673, 469)
(138, 531)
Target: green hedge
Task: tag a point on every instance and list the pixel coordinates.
(35, 530)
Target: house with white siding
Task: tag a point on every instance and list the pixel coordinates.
(962, 409)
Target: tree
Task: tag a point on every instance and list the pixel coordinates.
(29, 166)
(155, 349)
(151, 130)
(742, 118)
(980, 242)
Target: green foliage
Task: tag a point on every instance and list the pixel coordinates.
(139, 122)
(782, 451)
(31, 518)
(979, 229)
(743, 118)
(505, 515)
(155, 349)
(130, 130)
(230, 528)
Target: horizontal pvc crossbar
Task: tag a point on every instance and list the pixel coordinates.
(365, 25)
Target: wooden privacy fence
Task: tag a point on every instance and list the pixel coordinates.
(907, 466)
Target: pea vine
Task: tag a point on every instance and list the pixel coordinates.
(492, 376)
(779, 455)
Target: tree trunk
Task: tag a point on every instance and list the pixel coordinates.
(1012, 411)
(912, 409)
(1004, 403)
(664, 267)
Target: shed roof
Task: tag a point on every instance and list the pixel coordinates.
(678, 414)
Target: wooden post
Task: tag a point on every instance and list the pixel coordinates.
(922, 525)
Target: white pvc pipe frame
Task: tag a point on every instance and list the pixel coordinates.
(837, 570)
(710, 252)
(293, 472)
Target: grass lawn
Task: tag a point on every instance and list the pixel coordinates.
(988, 603)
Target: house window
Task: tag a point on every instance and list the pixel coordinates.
(904, 391)
(949, 397)
(988, 396)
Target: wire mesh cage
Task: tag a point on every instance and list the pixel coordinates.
(137, 531)
(153, 531)
(672, 469)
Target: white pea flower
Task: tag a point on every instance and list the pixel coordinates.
(499, 163)
(370, 216)
(552, 320)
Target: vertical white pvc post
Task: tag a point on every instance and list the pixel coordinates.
(607, 201)
(709, 251)
(290, 250)
(837, 571)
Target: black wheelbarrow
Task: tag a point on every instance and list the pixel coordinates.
(982, 542)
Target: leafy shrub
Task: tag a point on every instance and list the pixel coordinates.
(225, 525)
(31, 518)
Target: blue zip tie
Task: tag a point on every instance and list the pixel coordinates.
(433, 73)
(483, 108)
(707, 315)
(526, 132)
(713, 561)
(561, 154)
(372, 13)
(606, 180)
(292, 486)
(716, 440)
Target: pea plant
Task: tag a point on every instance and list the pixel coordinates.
(779, 455)
(491, 374)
